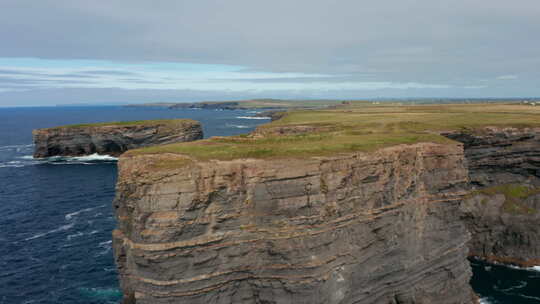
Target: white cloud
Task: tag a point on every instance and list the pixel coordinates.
(507, 77)
(58, 74)
(475, 87)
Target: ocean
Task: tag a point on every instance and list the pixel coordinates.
(56, 215)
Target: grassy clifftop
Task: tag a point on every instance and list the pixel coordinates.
(129, 123)
(353, 128)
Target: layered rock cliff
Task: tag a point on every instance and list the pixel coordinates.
(503, 210)
(377, 227)
(112, 138)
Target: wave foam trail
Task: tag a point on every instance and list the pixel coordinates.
(252, 117)
(10, 147)
(484, 301)
(237, 126)
(71, 236)
(61, 228)
(12, 164)
(69, 216)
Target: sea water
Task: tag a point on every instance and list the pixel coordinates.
(56, 214)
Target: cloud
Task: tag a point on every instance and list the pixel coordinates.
(507, 77)
(417, 44)
(160, 76)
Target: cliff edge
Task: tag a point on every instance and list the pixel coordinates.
(112, 138)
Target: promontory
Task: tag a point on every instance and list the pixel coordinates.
(112, 138)
(366, 205)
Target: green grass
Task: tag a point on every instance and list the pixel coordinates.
(357, 127)
(514, 195)
(130, 123)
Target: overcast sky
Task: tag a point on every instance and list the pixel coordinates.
(68, 52)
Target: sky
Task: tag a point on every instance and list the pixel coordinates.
(56, 52)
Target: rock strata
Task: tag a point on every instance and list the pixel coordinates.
(112, 138)
(503, 210)
(378, 227)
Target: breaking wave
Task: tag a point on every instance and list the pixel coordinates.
(29, 160)
(252, 117)
(88, 158)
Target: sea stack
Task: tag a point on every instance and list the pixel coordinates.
(112, 138)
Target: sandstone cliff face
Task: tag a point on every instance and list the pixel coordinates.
(503, 210)
(380, 227)
(112, 139)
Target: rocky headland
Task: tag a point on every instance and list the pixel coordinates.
(112, 138)
(360, 205)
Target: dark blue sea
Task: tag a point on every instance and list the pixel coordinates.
(56, 217)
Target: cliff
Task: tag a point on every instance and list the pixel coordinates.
(112, 138)
(502, 211)
(381, 227)
(360, 205)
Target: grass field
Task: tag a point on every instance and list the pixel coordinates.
(129, 123)
(356, 127)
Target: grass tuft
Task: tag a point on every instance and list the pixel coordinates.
(514, 195)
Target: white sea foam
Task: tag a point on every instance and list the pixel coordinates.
(11, 165)
(87, 158)
(61, 228)
(10, 147)
(484, 301)
(71, 236)
(528, 297)
(535, 268)
(252, 117)
(29, 160)
(520, 285)
(107, 246)
(237, 126)
(70, 216)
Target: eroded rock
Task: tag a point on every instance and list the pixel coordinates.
(503, 210)
(114, 138)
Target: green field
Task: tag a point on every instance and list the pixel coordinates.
(169, 122)
(356, 127)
